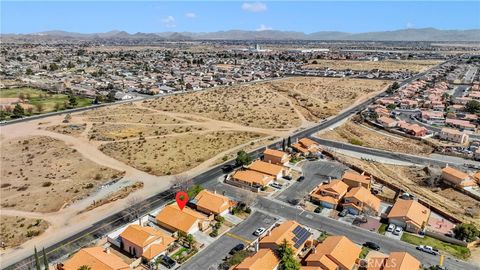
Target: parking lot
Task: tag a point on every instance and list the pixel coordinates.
(214, 254)
(315, 172)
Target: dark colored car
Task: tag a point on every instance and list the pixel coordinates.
(301, 178)
(318, 209)
(167, 261)
(236, 249)
(343, 213)
(371, 245)
(288, 177)
(228, 168)
(312, 158)
(293, 201)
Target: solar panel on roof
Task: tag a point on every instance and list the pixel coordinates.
(301, 235)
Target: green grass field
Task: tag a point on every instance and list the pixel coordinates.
(47, 100)
(455, 250)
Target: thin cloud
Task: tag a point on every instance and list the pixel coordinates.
(191, 15)
(254, 7)
(169, 22)
(263, 27)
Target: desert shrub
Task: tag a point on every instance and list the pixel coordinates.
(47, 184)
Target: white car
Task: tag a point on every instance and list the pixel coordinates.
(391, 227)
(259, 231)
(398, 230)
(428, 249)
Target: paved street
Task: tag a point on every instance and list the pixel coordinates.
(213, 255)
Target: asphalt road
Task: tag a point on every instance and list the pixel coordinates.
(102, 227)
(354, 233)
(214, 254)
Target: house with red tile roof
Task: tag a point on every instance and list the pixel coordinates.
(96, 258)
(275, 156)
(145, 242)
(273, 170)
(453, 135)
(394, 261)
(295, 234)
(462, 124)
(354, 179)
(264, 259)
(409, 214)
(359, 200)
(335, 252)
(457, 177)
(329, 194)
(188, 221)
(212, 203)
(387, 122)
(307, 146)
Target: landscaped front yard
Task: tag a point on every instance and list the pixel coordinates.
(455, 250)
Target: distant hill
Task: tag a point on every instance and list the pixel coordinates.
(421, 34)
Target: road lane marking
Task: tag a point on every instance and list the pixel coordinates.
(246, 241)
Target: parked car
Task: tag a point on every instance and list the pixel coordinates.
(228, 168)
(293, 201)
(236, 249)
(343, 213)
(318, 209)
(398, 230)
(288, 177)
(301, 178)
(371, 245)
(259, 231)
(391, 227)
(276, 185)
(167, 261)
(428, 249)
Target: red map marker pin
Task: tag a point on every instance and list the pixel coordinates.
(182, 199)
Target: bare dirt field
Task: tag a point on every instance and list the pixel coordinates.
(273, 104)
(155, 155)
(413, 180)
(361, 134)
(68, 129)
(384, 65)
(16, 230)
(42, 174)
(112, 132)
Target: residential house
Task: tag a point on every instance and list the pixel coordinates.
(354, 179)
(295, 234)
(453, 135)
(252, 178)
(414, 130)
(334, 253)
(212, 203)
(275, 171)
(95, 258)
(462, 124)
(359, 200)
(387, 122)
(433, 117)
(146, 242)
(307, 146)
(329, 194)
(409, 214)
(187, 220)
(275, 156)
(264, 259)
(457, 178)
(395, 261)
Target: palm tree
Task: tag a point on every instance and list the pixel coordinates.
(37, 261)
(45, 259)
(84, 267)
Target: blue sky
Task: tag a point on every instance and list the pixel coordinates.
(206, 16)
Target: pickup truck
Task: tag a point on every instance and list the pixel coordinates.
(428, 249)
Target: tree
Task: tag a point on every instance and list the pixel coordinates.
(287, 257)
(473, 106)
(111, 96)
(45, 259)
(243, 158)
(289, 141)
(56, 106)
(84, 267)
(72, 101)
(53, 67)
(70, 65)
(39, 107)
(391, 107)
(283, 145)
(18, 111)
(467, 232)
(37, 261)
(28, 71)
(3, 115)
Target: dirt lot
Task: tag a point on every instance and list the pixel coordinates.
(273, 104)
(16, 230)
(42, 174)
(112, 132)
(69, 129)
(412, 180)
(386, 65)
(155, 155)
(361, 134)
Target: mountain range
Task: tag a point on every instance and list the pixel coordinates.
(419, 34)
